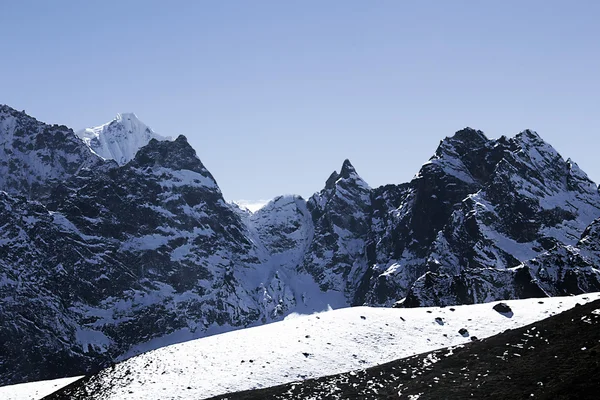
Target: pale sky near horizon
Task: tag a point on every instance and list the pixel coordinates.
(275, 95)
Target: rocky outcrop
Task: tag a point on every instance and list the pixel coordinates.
(34, 155)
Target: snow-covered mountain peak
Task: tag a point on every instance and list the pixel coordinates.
(131, 117)
(119, 139)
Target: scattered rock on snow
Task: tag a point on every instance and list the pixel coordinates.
(503, 308)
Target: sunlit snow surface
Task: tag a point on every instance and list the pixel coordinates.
(34, 390)
(119, 139)
(312, 346)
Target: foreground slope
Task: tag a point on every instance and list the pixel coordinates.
(34, 390)
(304, 347)
(556, 358)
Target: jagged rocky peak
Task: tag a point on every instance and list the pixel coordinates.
(347, 170)
(470, 136)
(539, 152)
(347, 174)
(173, 155)
(340, 214)
(32, 154)
(468, 155)
(120, 138)
(345, 188)
(462, 142)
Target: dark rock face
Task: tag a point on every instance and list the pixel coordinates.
(115, 257)
(34, 154)
(99, 261)
(520, 199)
(341, 220)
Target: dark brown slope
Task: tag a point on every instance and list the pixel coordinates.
(557, 358)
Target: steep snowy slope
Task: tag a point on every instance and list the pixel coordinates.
(305, 347)
(120, 138)
(284, 230)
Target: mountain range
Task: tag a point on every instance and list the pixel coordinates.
(115, 240)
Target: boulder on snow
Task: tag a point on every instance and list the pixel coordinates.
(503, 308)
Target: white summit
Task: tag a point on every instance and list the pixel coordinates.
(119, 139)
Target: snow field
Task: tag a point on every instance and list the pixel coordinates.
(34, 390)
(311, 346)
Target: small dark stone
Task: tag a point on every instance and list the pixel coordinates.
(306, 355)
(463, 332)
(474, 338)
(363, 317)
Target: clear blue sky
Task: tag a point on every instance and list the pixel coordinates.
(274, 95)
